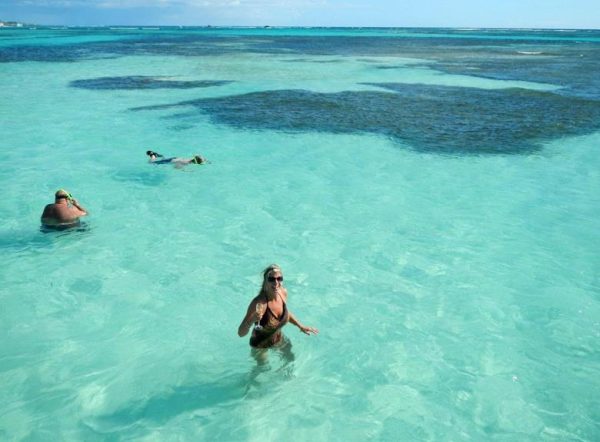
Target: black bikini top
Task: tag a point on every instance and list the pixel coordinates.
(282, 319)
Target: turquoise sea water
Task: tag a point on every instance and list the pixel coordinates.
(432, 196)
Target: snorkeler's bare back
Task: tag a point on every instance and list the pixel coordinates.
(56, 214)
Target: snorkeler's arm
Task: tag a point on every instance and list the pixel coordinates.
(303, 328)
(78, 209)
(249, 319)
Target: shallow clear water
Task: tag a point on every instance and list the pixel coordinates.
(455, 283)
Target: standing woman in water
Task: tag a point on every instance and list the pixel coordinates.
(269, 313)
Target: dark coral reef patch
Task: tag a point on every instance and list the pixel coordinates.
(439, 119)
(142, 82)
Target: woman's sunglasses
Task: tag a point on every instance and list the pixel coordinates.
(273, 279)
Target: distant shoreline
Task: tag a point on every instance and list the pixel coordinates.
(12, 24)
(20, 25)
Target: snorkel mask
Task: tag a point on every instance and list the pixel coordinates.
(65, 195)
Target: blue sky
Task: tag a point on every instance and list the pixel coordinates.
(418, 13)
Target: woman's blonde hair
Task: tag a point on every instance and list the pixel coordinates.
(265, 273)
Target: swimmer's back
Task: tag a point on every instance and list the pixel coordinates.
(59, 215)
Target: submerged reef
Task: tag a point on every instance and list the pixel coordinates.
(428, 118)
(439, 119)
(142, 82)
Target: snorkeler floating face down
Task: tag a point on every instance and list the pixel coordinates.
(178, 162)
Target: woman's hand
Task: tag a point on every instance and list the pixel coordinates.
(253, 314)
(308, 330)
(258, 314)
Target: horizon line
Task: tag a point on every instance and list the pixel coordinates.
(465, 28)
